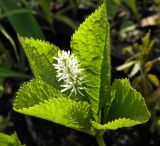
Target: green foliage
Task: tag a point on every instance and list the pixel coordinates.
(4, 32)
(122, 111)
(125, 100)
(16, 17)
(41, 100)
(103, 107)
(41, 60)
(113, 6)
(4, 72)
(5, 122)
(92, 39)
(132, 5)
(139, 64)
(9, 140)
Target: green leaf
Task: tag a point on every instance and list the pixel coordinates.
(65, 20)
(136, 81)
(154, 79)
(40, 56)
(128, 103)
(147, 43)
(117, 123)
(127, 108)
(1, 88)
(12, 140)
(112, 8)
(132, 5)
(5, 72)
(41, 100)
(6, 34)
(136, 68)
(45, 5)
(91, 44)
(125, 65)
(126, 28)
(23, 23)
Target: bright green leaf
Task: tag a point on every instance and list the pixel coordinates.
(91, 44)
(38, 99)
(127, 108)
(128, 103)
(115, 124)
(40, 56)
(9, 140)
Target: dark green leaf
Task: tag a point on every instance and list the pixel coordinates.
(23, 23)
(5, 72)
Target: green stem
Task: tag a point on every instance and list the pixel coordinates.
(100, 140)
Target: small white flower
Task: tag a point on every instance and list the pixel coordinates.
(68, 71)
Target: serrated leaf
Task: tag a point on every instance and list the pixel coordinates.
(9, 140)
(91, 44)
(117, 123)
(40, 56)
(127, 109)
(128, 103)
(38, 99)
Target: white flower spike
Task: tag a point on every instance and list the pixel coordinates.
(69, 72)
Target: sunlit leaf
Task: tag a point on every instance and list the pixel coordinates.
(41, 100)
(9, 140)
(40, 56)
(127, 108)
(93, 51)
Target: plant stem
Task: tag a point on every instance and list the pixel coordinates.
(100, 140)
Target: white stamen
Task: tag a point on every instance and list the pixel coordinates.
(69, 72)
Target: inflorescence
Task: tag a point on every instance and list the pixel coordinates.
(68, 71)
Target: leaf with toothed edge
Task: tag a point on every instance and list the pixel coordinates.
(115, 124)
(127, 108)
(40, 56)
(38, 99)
(90, 44)
(103, 107)
(9, 140)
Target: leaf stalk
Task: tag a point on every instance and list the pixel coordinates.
(100, 140)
